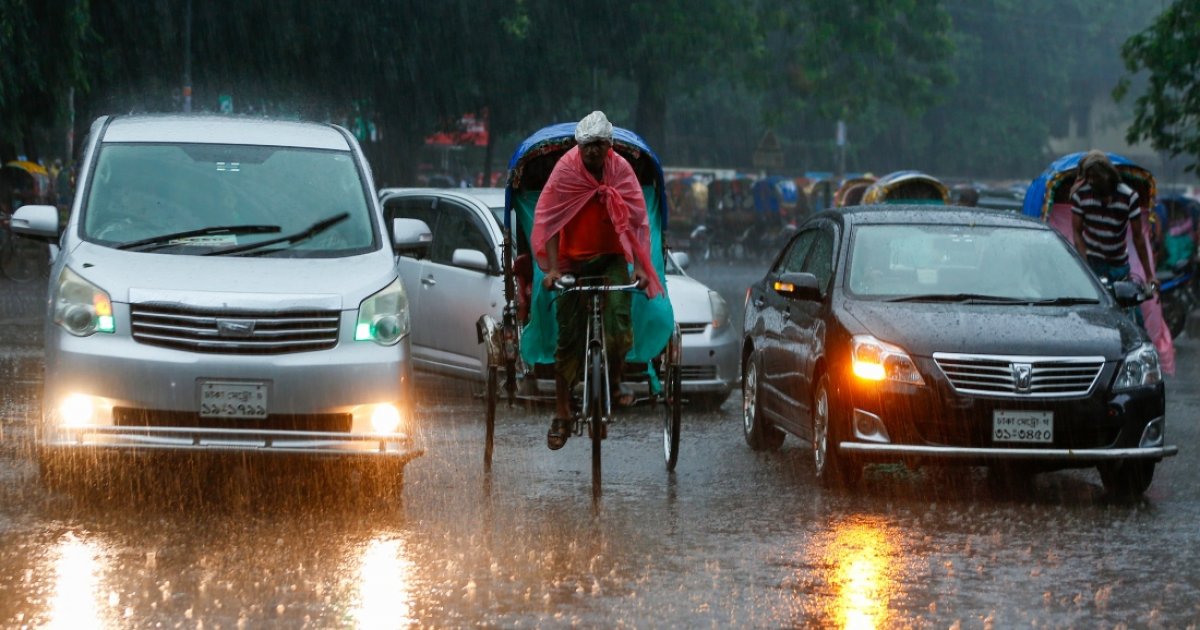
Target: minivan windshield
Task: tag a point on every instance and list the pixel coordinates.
(966, 263)
(195, 199)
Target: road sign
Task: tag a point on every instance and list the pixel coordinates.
(769, 154)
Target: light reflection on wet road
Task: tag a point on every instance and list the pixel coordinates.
(734, 538)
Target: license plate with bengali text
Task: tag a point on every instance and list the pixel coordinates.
(1035, 427)
(233, 399)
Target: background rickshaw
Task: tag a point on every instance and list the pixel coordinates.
(523, 347)
(907, 187)
(730, 215)
(851, 191)
(779, 207)
(1048, 199)
(687, 199)
(22, 183)
(819, 191)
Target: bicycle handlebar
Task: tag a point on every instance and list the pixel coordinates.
(567, 284)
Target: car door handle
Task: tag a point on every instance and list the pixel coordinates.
(428, 281)
(787, 314)
(759, 301)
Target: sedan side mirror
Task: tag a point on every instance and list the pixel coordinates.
(38, 222)
(1128, 293)
(797, 286)
(411, 237)
(682, 260)
(470, 259)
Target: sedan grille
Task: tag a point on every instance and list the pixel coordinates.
(697, 372)
(1036, 377)
(234, 332)
(692, 328)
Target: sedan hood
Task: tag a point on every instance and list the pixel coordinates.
(689, 300)
(233, 281)
(924, 328)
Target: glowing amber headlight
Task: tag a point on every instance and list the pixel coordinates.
(875, 360)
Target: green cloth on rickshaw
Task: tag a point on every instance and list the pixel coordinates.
(653, 320)
(574, 309)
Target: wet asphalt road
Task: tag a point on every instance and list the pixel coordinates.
(733, 538)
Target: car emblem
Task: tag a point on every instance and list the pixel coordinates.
(235, 327)
(1022, 377)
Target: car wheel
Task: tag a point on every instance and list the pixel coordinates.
(831, 467)
(1127, 479)
(760, 435)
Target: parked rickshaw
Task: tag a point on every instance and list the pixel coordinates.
(907, 187)
(820, 193)
(687, 199)
(730, 215)
(22, 183)
(523, 347)
(851, 191)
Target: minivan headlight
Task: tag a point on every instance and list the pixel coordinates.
(81, 307)
(720, 310)
(1139, 368)
(875, 360)
(383, 317)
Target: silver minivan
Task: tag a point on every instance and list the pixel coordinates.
(225, 284)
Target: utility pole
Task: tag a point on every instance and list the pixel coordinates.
(187, 58)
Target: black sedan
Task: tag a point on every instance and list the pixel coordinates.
(960, 336)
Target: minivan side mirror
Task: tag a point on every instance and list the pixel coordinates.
(39, 222)
(797, 286)
(1128, 293)
(470, 259)
(411, 237)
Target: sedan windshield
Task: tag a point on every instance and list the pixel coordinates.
(198, 198)
(966, 264)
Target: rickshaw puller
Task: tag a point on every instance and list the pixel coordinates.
(591, 220)
(1104, 208)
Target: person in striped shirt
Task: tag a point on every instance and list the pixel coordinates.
(1103, 209)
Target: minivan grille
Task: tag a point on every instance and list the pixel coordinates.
(234, 332)
(1038, 377)
(694, 328)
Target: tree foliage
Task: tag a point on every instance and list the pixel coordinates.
(1168, 113)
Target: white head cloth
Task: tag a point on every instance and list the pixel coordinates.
(593, 127)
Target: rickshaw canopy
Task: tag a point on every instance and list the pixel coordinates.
(907, 187)
(1054, 184)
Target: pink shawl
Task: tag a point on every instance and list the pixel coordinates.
(568, 190)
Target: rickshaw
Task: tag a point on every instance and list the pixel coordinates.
(730, 216)
(820, 192)
(851, 191)
(1048, 199)
(521, 346)
(22, 183)
(778, 206)
(907, 187)
(688, 202)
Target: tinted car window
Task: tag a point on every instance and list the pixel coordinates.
(793, 259)
(820, 259)
(457, 230)
(1023, 263)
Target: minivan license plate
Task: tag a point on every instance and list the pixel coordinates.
(233, 399)
(1023, 426)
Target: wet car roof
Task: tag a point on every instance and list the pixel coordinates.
(209, 129)
(941, 215)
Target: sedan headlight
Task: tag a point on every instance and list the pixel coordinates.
(81, 307)
(1140, 368)
(875, 360)
(383, 317)
(720, 310)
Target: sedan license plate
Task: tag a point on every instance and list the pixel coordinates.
(1035, 427)
(233, 399)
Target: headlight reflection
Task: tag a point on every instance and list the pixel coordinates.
(385, 590)
(77, 569)
(862, 556)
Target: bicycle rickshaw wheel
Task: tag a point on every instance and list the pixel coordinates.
(490, 394)
(672, 405)
(596, 416)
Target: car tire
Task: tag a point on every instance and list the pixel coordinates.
(1127, 479)
(759, 433)
(832, 469)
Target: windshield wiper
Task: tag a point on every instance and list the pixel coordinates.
(958, 298)
(165, 240)
(1065, 301)
(302, 235)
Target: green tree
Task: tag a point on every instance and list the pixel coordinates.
(1168, 113)
(42, 44)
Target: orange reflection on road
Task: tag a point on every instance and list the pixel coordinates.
(864, 560)
(385, 589)
(75, 604)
